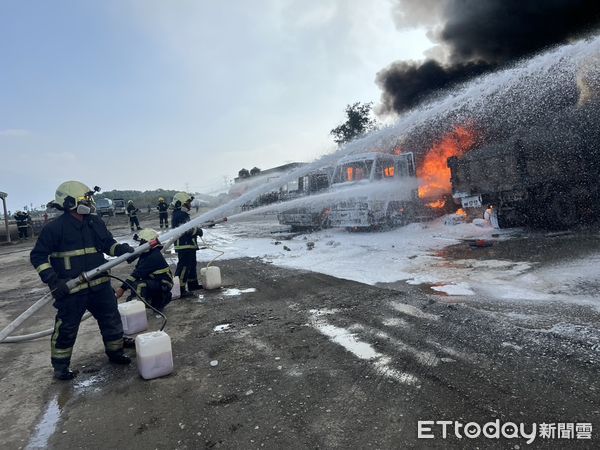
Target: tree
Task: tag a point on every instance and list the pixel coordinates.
(358, 123)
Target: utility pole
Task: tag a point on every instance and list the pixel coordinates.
(3, 196)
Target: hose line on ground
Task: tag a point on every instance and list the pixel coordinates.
(42, 302)
(6, 339)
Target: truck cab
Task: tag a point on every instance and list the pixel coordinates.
(377, 206)
(308, 217)
(120, 206)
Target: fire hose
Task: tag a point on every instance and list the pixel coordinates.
(168, 237)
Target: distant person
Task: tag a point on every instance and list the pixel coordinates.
(187, 245)
(487, 214)
(23, 220)
(163, 212)
(152, 278)
(132, 213)
(68, 246)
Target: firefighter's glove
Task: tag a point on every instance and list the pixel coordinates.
(58, 287)
(124, 248)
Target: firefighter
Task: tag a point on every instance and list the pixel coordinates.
(68, 246)
(186, 246)
(132, 213)
(23, 219)
(152, 278)
(163, 212)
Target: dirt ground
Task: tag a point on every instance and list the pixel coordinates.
(287, 375)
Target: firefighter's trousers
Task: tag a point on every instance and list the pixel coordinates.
(133, 220)
(186, 266)
(164, 219)
(102, 303)
(23, 231)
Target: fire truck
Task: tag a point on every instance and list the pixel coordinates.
(361, 204)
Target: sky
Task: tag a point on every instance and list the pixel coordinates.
(146, 94)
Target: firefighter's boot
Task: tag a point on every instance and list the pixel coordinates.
(185, 293)
(64, 373)
(118, 357)
(193, 285)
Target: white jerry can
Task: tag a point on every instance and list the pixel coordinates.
(154, 354)
(210, 277)
(176, 289)
(133, 317)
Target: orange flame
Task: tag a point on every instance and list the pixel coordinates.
(437, 204)
(434, 172)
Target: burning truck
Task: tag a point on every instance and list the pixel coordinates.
(356, 202)
(545, 174)
(536, 180)
(374, 207)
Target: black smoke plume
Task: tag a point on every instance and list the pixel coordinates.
(478, 36)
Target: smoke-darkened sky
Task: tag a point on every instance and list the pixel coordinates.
(475, 37)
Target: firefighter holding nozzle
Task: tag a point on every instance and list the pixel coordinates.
(187, 245)
(72, 244)
(152, 278)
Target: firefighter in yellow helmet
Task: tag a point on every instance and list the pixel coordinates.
(152, 278)
(70, 245)
(133, 218)
(187, 245)
(163, 212)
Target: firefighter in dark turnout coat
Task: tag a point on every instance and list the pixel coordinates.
(163, 212)
(66, 247)
(187, 245)
(152, 278)
(132, 213)
(23, 219)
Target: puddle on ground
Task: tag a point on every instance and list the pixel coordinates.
(51, 416)
(47, 425)
(233, 292)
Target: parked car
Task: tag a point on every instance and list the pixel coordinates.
(120, 206)
(105, 207)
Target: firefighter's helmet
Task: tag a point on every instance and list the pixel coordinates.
(147, 235)
(161, 200)
(72, 193)
(182, 198)
(130, 202)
